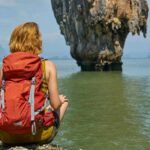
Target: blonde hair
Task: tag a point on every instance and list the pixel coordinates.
(26, 38)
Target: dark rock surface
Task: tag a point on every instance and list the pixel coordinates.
(31, 147)
(96, 30)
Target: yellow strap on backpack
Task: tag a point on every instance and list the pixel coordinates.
(44, 86)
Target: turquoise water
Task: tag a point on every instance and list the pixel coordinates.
(108, 110)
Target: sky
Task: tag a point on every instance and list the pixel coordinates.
(15, 12)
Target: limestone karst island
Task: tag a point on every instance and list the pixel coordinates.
(96, 30)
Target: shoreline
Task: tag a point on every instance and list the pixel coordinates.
(31, 147)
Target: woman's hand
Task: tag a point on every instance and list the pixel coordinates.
(63, 98)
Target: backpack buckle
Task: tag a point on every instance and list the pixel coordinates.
(2, 102)
(3, 85)
(33, 128)
(33, 81)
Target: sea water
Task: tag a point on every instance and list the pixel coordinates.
(107, 110)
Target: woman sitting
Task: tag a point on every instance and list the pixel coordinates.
(27, 82)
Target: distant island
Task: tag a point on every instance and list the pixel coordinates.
(60, 58)
(128, 56)
(148, 56)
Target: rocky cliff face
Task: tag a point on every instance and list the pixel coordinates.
(96, 30)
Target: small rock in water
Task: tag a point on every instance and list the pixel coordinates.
(18, 148)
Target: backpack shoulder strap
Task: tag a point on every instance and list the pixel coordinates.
(44, 86)
(2, 88)
(31, 101)
(1, 76)
(44, 67)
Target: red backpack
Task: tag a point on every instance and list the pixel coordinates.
(21, 98)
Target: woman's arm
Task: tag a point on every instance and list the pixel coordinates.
(51, 75)
(58, 102)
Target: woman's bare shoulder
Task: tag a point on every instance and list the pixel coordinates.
(50, 66)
